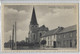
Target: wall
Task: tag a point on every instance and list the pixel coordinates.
(67, 39)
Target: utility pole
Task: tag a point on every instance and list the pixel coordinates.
(15, 37)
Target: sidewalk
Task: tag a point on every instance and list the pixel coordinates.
(58, 48)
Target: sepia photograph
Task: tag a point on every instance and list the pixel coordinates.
(52, 27)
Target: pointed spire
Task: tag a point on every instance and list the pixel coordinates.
(33, 18)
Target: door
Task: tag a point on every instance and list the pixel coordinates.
(54, 44)
(70, 43)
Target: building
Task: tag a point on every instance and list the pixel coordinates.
(61, 37)
(50, 37)
(35, 32)
(67, 37)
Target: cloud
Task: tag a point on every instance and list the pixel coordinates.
(42, 10)
(19, 7)
(62, 17)
(12, 15)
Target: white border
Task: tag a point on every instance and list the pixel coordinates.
(40, 2)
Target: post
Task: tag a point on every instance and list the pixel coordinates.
(15, 37)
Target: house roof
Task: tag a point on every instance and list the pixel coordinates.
(59, 30)
(68, 29)
(52, 32)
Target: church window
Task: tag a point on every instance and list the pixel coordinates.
(40, 34)
(34, 36)
(32, 25)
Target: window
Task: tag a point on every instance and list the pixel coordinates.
(34, 36)
(44, 38)
(63, 35)
(59, 43)
(59, 36)
(48, 38)
(40, 34)
(48, 43)
(64, 43)
(70, 43)
(54, 36)
(32, 26)
(71, 34)
(75, 43)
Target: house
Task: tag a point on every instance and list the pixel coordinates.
(51, 36)
(67, 37)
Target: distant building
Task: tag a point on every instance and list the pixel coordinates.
(67, 37)
(35, 32)
(9, 44)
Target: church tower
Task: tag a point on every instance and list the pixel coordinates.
(33, 28)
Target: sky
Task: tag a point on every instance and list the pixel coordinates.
(51, 16)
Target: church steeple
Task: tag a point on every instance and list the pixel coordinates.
(33, 18)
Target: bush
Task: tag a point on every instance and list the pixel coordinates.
(43, 42)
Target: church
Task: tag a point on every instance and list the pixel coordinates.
(35, 32)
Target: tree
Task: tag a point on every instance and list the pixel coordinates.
(43, 42)
(31, 45)
(37, 44)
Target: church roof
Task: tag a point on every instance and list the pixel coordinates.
(42, 28)
(68, 29)
(33, 18)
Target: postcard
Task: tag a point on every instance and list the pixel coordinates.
(40, 27)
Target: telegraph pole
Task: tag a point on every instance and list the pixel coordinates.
(15, 37)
